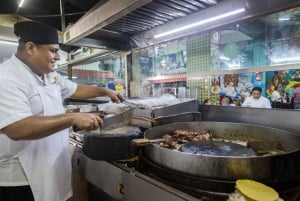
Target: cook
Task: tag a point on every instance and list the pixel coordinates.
(35, 161)
(256, 99)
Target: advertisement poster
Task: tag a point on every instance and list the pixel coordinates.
(182, 59)
(259, 80)
(229, 85)
(172, 63)
(285, 80)
(215, 85)
(145, 66)
(235, 85)
(245, 84)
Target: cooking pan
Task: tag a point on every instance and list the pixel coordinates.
(274, 167)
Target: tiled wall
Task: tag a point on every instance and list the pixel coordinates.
(198, 53)
(199, 60)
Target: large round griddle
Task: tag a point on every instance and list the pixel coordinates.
(274, 167)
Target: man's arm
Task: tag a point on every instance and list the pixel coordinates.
(87, 91)
(35, 127)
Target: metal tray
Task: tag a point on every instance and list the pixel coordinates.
(151, 122)
(186, 105)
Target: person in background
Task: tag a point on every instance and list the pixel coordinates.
(227, 101)
(286, 98)
(237, 101)
(286, 101)
(256, 99)
(276, 98)
(35, 161)
(207, 102)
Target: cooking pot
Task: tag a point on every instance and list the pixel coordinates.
(273, 167)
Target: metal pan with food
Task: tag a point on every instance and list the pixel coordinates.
(281, 165)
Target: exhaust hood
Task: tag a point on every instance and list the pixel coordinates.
(124, 25)
(88, 30)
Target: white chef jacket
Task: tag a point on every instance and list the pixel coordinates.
(262, 102)
(19, 99)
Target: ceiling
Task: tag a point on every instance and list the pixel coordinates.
(115, 35)
(48, 11)
(133, 28)
(155, 13)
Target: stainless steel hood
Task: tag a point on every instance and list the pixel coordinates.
(130, 24)
(253, 9)
(88, 31)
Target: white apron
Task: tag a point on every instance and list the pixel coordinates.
(47, 161)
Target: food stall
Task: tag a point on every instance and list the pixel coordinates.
(155, 172)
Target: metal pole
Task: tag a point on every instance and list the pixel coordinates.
(62, 15)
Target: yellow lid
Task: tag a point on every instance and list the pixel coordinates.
(256, 191)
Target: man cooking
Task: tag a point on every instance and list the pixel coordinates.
(256, 99)
(35, 162)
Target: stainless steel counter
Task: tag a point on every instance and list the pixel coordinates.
(120, 183)
(125, 184)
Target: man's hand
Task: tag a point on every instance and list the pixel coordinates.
(115, 96)
(86, 121)
(47, 125)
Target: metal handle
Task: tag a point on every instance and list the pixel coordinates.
(144, 141)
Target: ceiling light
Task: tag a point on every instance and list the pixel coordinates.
(224, 58)
(8, 42)
(21, 3)
(201, 22)
(287, 59)
(284, 16)
(284, 19)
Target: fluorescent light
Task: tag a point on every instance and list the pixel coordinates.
(288, 59)
(224, 58)
(284, 17)
(234, 66)
(8, 42)
(21, 3)
(201, 22)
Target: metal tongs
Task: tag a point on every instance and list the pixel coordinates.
(131, 105)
